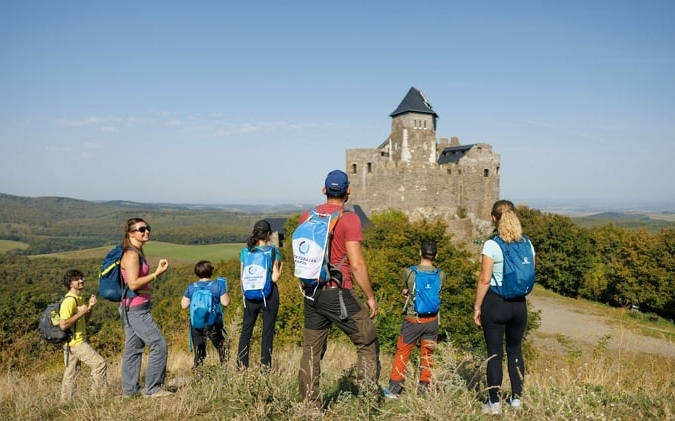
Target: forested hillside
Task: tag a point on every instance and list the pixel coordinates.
(54, 224)
(607, 263)
(391, 243)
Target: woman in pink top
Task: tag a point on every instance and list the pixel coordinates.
(139, 327)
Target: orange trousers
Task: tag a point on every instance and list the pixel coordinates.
(426, 330)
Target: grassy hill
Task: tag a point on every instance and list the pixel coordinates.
(176, 253)
(577, 382)
(574, 382)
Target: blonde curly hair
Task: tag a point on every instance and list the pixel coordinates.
(508, 224)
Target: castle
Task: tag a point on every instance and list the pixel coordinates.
(424, 178)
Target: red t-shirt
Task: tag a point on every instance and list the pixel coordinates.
(348, 228)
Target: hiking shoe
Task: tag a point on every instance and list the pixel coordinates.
(160, 394)
(490, 408)
(422, 388)
(515, 403)
(389, 394)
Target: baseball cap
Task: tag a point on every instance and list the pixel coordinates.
(337, 182)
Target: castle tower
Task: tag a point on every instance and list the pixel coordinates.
(413, 129)
(413, 172)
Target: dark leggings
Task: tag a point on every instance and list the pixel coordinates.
(217, 336)
(269, 316)
(501, 318)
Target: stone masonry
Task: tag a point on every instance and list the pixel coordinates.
(424, 178)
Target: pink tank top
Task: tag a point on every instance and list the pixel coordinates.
(144, 293)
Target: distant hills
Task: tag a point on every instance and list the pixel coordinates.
(53, 224)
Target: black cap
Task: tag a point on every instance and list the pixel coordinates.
(429, 249)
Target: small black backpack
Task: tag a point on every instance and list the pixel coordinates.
(49, 324)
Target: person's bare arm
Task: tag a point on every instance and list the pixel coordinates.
(486, 265)
(360, 273)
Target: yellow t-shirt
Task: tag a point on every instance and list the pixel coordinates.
(68, 309)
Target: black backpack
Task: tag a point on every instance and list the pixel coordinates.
(49, 324)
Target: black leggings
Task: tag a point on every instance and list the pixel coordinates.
(269, 309)
(501, 318)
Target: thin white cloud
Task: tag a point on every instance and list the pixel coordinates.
(58, 148)
(210, 124)
(84, 122)
(92, 145)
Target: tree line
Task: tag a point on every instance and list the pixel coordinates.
(613, 265)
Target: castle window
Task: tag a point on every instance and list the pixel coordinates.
(370, 167)
(449, 171)
(486, 172)
(425, 124)
(353, 168)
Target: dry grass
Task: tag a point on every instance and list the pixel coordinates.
(596, 384)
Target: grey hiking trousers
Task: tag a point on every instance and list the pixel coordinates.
(140, 330)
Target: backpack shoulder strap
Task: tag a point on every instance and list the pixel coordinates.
(413, 269)
(64, 299)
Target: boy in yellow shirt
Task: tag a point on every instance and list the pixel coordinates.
(74, 314)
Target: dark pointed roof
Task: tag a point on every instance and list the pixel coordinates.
(452, 154)
(362, 215)
(416, 102)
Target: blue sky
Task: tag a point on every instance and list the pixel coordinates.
(254, 102)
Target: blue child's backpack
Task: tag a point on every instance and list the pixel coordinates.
(204, 309)
(311, 249)
(518, 275)
(256, 276)
(111, 286)
(426, 291)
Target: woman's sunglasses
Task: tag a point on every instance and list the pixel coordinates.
(143, 229)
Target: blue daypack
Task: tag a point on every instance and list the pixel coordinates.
(111, 286)
(256, 276)
(518, 275)
(204, 309)
(311, 249)
(426, 291)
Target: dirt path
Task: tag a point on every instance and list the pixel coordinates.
(559, 319)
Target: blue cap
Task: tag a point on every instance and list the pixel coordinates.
(337, 182)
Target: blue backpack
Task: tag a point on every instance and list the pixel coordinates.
(256, 276)
(426, 291)
(311, 249)
(518, 274)
(111, 286)
(204, 309)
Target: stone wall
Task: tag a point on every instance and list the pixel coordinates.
(421, 189)
(413, 172)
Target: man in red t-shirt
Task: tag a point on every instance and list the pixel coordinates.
(323, 308)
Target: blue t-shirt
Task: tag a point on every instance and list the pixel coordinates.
(492, 250)
(218, 289)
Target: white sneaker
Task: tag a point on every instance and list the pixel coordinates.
(388, 394)
(515, 403)
(490, 408)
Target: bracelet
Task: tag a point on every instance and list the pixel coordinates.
(154, 276)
